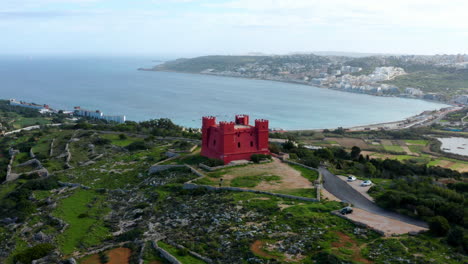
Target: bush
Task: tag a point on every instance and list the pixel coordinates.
(122, 136)
(35, 252)
(103, 257)
(137, 145)
(213, 162)
(439, 225)
(130, 235)
(101, 141)
(455, 236)
(259, 157)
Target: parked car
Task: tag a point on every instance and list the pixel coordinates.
(346, 210)
(366, 183)
(351, 178)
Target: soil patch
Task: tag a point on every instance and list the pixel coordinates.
(289, 177)
(116, 256)
(256, 248)
(347, 242)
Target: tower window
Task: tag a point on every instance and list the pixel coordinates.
(214, 142)
(251, 143)
(238, 144)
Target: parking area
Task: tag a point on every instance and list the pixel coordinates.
(357, 186)
(387, 225)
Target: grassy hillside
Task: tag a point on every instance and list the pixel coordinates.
(199, 64)
(435, 80)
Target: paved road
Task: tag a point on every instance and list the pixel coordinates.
(344, 192)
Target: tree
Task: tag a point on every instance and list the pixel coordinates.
(103, 257)
(355, 152)
(455, 236)
(439, 225)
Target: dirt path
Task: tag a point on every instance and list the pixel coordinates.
(256, 248)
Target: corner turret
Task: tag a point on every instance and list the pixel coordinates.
(261, 124)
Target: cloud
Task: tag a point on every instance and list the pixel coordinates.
(34, 14)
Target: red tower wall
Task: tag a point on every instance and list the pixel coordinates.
(230, 141)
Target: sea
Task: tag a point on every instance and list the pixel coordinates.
(115, 86)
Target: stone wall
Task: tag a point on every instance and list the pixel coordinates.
(166, 255)
(158, 168)
(299, 164)
(189, 186)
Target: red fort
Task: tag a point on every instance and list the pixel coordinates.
(237, 140)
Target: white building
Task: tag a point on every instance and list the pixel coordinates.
(98, 115)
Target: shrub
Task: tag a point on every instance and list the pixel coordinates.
(101, 141)
(130, 235)
(103, 257)
(213, 162)
(122, 136)
(455, 236)
(35, 252)
(83, 215)
(439, 225)
(259, 157)
(137, 145)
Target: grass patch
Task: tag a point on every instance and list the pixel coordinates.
(393, 148)
(82, 232)
(417, 142)
(252, 181)
(179, 254)
(310, 193)
(116, 140)
(311, 175)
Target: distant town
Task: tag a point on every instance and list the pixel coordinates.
(441, 78)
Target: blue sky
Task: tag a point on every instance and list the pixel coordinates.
(198, 27)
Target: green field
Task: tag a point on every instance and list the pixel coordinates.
(393, 148)
(84, 212)
(417, 142)
(115, 139)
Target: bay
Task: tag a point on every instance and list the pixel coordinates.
(114, 86)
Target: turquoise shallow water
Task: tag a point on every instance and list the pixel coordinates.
(113, 85)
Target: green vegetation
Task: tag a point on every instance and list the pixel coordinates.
(394, 148)
(181, 255)
(311, 175)
(82, 232)
(252, 181)
(36, 252)
(447, 81)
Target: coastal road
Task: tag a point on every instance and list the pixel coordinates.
(344, 192)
